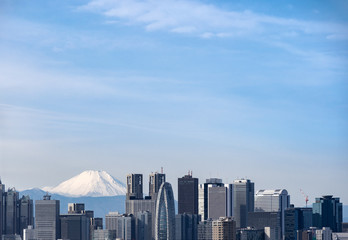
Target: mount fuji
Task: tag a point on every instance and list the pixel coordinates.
(89, 184)
(98, 190)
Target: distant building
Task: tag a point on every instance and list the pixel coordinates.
(165, 213)
(74, 226)
(243, 201)
(323, 234)
(296, 219)
(188, 195)
(76, 208)
(26, 217)
(327, 212)
(29, 233)
(123, 224)
(2, 195)
(186, 226)
(345, 227)
(269, 220)
(273, 201)
(11, 212)
(340, 236)
(203, 196)
(205, 230)
(143, 225)
(104, 234)
(250, 234)
(155, 182)
(224, 229)
(47, 222)
(134, 186)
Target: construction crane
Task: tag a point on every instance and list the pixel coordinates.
(305, 196)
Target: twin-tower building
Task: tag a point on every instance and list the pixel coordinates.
(159, 204)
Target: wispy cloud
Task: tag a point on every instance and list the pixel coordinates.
(204, 20)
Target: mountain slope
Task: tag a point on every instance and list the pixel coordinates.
(90, 183)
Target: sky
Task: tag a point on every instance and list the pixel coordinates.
(228, 89)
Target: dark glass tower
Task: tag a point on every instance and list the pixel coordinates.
(243, 201)
(155, 182)
(11, 210)
(26, 213)
(134, 186)
(296, 219)
(188, 195)
(165, 213)
(2, 194)
(327, 212)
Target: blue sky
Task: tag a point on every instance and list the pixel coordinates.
(224, 88)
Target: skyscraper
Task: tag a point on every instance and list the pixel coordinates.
(243, 201)
(155, 182)
(273, 201)
(11, 210)
(134, 186)
(123, 224)
(188, 195)
(296, 219)
(165, 213)
(2, 195)
(143, 225)
(26, 217)
(327, 212)
(47, 222)
(203, 195)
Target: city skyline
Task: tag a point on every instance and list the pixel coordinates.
(225, 89)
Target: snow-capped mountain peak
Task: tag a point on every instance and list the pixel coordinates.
(90, 183)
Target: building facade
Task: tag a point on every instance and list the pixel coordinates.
(224, 229)
(243, 201)
(327, 212)
(165, 213)
(188, 195)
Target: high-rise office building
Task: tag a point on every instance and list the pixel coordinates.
(296, 219)
(188, 195)
(219, 201)
(273, 201)
(29, 233)
(26, 216)
(203, 196)
(123, 224)
(143, 225)
(186, 226)
(76, 208)
(165, 213)
(47, 222)
(2, 218)
(155, 182)
(134, 186)
(74, 226)
(243, 201)
(224, 229)
(269, 220)
(327, 212)
(11, 210)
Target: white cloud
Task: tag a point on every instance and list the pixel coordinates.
(199, 18)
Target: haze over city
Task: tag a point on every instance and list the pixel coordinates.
(227, 89)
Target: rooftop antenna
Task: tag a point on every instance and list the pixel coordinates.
(161, 170)
(191, 173)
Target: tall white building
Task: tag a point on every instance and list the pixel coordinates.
(273, 201)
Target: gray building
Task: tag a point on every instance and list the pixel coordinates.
(123, 224)
(220, 201)
(47, 222)
(273, 201)
(296, 219)
(186, 226)
(74, 226)
(2, 194)
(243, 201)
(262, 220)
(26, 215)
(203, 196)
(155, 182)
(11, 210)
(104, 234)
(143, 225)
(165, 213)
(134, 186)
(250, 234)
(204, 230)
(224, 229)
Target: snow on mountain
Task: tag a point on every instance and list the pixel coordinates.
(90, 183)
